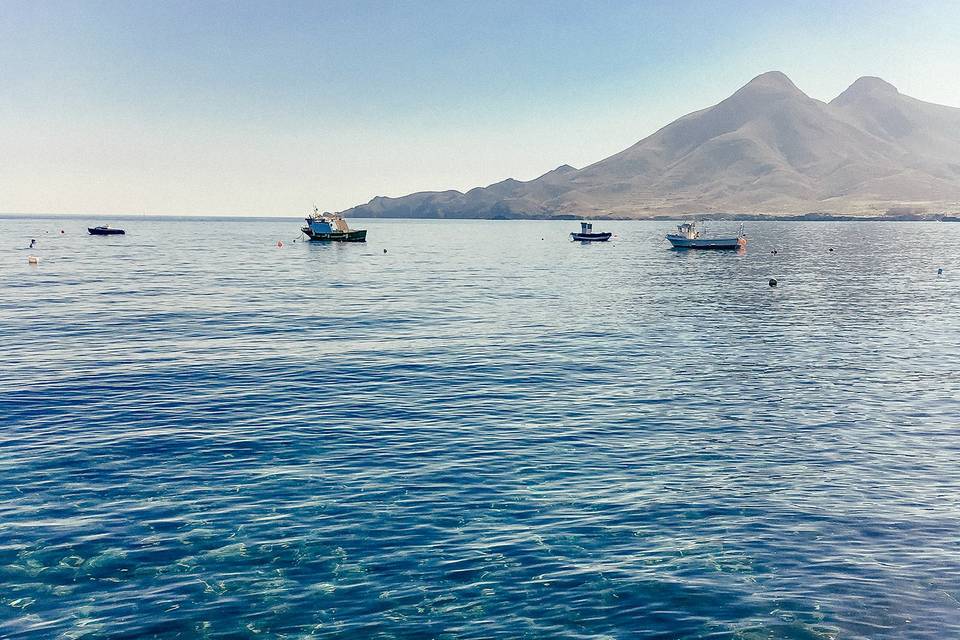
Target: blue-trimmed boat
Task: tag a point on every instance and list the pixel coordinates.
(688, 237)
(587, 234)
(329, 227)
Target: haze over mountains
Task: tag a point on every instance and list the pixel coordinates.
(767, 149)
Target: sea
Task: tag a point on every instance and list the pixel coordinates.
(478, 429)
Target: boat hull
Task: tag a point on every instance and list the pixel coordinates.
(99, 231)
(590, 237)
(679, 242)
(356, 235)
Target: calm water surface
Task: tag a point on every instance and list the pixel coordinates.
(485, 431)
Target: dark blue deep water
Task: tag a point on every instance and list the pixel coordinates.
(486, 432)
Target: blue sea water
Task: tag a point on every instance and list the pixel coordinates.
(478, 429)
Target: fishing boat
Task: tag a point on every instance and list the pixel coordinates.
(105, 230)
(587, 234)
(331, 227)
(688, 237)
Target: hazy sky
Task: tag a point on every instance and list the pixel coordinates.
(265, 108)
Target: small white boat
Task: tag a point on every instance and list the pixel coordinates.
(688, 237)
(587, 234)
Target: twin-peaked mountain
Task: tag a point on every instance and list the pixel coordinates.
(769, 148)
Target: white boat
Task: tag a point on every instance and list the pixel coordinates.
(688, 237)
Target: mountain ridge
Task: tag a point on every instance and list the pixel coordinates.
(767, 149)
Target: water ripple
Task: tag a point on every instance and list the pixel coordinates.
(479, 433)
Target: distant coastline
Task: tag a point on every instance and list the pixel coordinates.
(891, 215)
(802, 217)
(729, 217)
(136, 216)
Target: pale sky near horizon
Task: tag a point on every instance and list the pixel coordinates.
(266, 108)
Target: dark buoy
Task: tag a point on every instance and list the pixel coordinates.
(939, 272)
(831, 248)
(384, 250)
(773, 282)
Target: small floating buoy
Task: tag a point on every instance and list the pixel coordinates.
(33, 243)
(33, 260)
(61, 230)
(831, 248)
(939, 272)
(384, 250)
(773, 282)
(279, 244)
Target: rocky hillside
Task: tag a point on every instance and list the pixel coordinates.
(767, 149)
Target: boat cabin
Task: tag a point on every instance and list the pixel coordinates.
(321, 223)
(688, 230)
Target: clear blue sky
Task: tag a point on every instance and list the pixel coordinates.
(264, 108)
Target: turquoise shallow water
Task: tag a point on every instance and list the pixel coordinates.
(486, 431)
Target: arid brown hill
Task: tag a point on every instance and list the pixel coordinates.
(767, 149)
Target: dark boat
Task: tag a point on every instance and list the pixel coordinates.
(331, 227)
(587, 234)
(105, 230)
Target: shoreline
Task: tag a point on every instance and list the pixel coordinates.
(718, 217)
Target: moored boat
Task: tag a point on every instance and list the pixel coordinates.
(331, 227)
(587, 234)
(688, 237)
(105, 230)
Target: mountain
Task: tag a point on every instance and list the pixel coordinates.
(767, 149)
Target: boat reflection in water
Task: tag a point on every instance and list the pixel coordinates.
(688, 237)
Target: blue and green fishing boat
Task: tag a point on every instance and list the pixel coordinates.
(331, 227)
